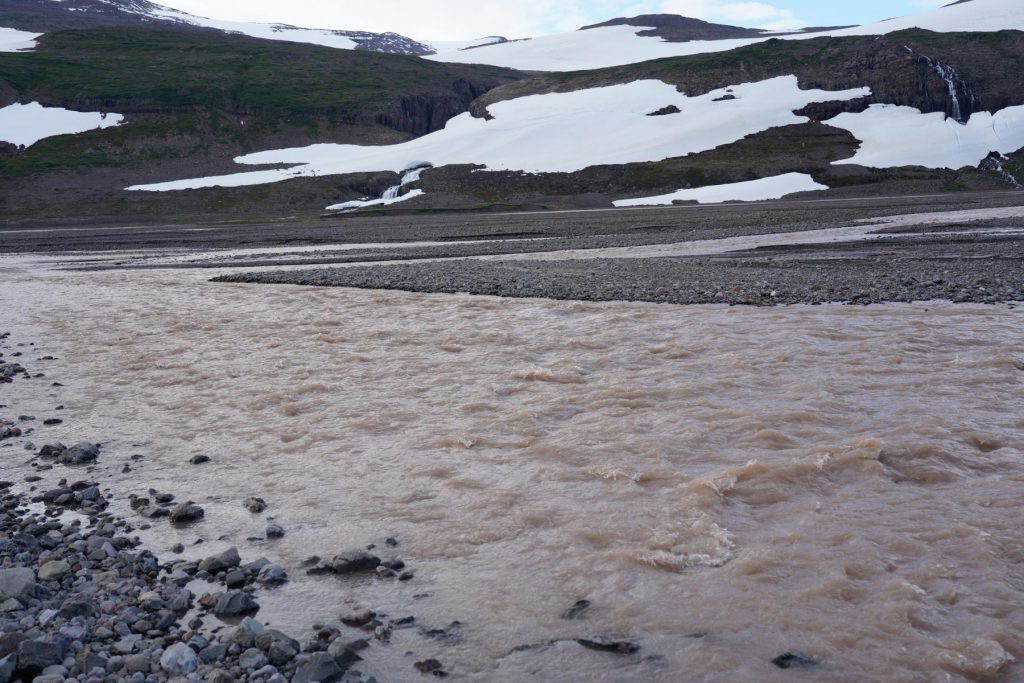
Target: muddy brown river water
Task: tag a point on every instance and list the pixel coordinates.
(724, 485)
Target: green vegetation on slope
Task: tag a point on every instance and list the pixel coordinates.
(184, 92)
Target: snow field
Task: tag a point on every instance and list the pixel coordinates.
(775, 187)
(27, 124)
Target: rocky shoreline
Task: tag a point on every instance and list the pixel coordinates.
(82, 599)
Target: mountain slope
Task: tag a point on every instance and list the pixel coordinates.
(50, 15)
(197, 99)
(624, 43)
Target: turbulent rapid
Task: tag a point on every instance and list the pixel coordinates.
(723, 485)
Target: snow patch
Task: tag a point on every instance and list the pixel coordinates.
(13, 40)
(558, 132)
(747, 191)
(27, 124)
(312, 36)
(894, 136)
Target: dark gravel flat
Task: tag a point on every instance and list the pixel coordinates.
(618, 227)
(986, 269)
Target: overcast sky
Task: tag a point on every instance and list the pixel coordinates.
(465, 19)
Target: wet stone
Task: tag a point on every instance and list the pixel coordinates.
(790, 660)
(235, 603)
(579, 608)
(186, 512)
(319, 667)
(620, 647)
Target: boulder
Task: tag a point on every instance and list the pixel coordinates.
(353, 562)
(8, 665)
(320, 667)
(79, 454)
(36, 655)
(54, 570)
(234, 604)
(245, 634)
(179, 660)
(279, 647)
(255, 505)
(272, 575)
(19, 583)
(252, 659)
(186, 512)
(218, 563)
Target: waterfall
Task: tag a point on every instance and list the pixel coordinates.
(411, 176)
(954, 83)
(391, 195)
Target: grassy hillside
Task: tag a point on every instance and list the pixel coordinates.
(186, 90)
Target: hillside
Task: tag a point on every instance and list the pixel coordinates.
(158, 119)
(48, 15)
(198, 99)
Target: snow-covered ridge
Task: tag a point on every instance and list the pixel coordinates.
(27, 124)
(343, 40)
(443, 46)
(617, 45)
(13, 40)
(559, 132)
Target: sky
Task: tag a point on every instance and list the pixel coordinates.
(467, 19)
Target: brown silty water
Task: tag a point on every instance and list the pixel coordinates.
(723, 484)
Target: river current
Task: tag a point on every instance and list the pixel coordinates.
(724, 485)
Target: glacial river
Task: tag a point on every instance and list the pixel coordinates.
(724, 485)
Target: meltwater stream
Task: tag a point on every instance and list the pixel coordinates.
(722, 484)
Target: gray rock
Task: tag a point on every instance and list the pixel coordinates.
(235, 603)
(252, 659)
(279, 647)
(77, 606)
(344, 655)
(49, 678)
(353, 562)
(179, 660)
(199, 459)
(320, 667)
(186, 512)
(244, 634)
(79, 454)
(7, 667)
(214, 653)
(272, 575)
(274, 531)
(235, 579)
(54, 569)
(17, 583)
(11, 605)
(137, 664)
(36, 655)
(52, 450)
(219, 676)
(255, 505)
(225, 560)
